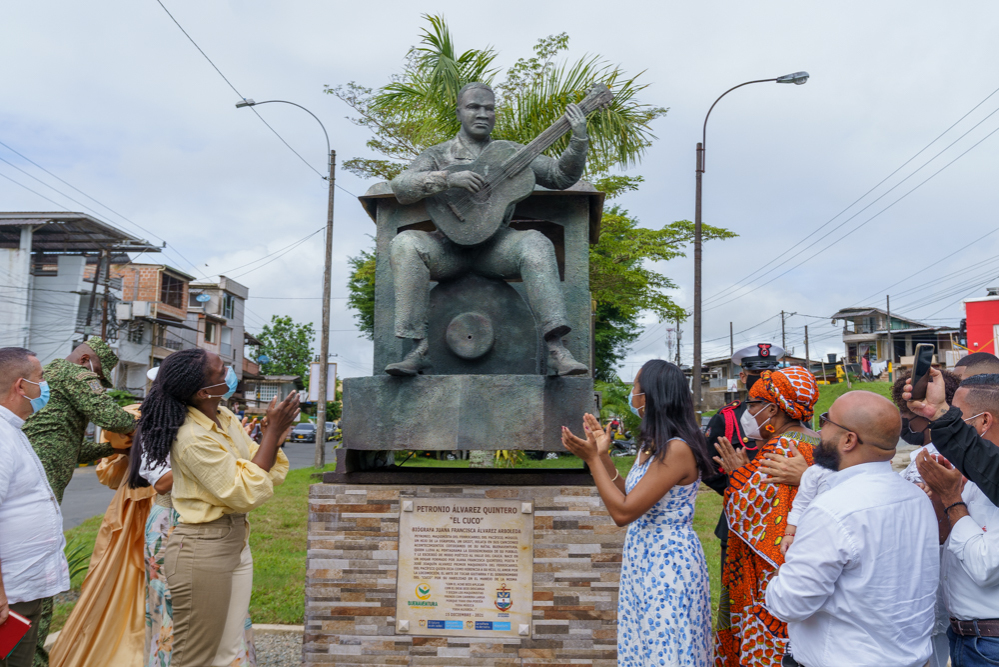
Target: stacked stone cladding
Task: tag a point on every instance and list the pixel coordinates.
(351, 581)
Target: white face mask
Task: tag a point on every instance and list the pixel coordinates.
(750, 428)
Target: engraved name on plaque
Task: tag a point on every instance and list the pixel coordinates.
(466, 567)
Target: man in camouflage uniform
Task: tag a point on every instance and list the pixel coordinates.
(78, 386)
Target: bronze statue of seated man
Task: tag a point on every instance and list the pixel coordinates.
(419, 257)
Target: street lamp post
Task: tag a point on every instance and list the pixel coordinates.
(324, 342)
(797, 78)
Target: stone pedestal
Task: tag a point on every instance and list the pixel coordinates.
(352, 574)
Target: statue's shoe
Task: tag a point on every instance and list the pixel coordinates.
(414, 362)
(562, 362)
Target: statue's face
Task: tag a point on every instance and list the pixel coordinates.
(477, 113)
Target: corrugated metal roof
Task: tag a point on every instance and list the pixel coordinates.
(68, 233)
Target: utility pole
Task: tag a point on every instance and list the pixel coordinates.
(107, 286)
(807, 357)
(324, 343)
(93, 298)
(783, 338)
(679, 335)
(731, 341)
(891, 345)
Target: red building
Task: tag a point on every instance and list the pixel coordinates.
(982, 316)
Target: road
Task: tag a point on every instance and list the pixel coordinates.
(86, 497)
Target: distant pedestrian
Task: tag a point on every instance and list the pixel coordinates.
(219, 475)
(859, 583)
(664, 607)
(33, 566)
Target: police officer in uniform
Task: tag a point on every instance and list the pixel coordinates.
(78, 388)
(754, 360)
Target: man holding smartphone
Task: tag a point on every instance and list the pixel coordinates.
(956, 439)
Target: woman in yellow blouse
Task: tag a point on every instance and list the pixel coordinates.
(219, 474)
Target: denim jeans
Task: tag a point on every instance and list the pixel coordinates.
(973, 651)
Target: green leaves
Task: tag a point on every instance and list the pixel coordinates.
(361, 287)
(288, 346)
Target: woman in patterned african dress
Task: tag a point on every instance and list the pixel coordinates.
(780, 410)
(664, 609)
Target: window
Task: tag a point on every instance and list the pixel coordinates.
(267, 392)
(228, 305)
(135, 331)
(192, 300)
(171, 291)
(210, 332)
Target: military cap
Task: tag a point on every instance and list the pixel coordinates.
(107, 356)
(759, 357)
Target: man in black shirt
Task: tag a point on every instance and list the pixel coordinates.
(956, 439)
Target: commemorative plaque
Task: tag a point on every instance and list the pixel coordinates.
(466, 568)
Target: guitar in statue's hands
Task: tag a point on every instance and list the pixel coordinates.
(470, 218)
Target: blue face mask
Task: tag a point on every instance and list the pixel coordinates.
(231, 381)
(43, 398)
(631, 403)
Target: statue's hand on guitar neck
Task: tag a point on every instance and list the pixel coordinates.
(469, 180)
(577, 121)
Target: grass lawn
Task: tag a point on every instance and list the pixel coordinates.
(830, 392)
(277, 534)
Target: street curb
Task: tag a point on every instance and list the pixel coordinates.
(258, 629)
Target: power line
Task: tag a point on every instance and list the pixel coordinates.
(765, 265)
(242, 97)
(830, 245)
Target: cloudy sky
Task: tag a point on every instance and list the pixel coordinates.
(114, 99)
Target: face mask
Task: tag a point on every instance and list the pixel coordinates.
(43, 398)
(631, 404)
(231, 381)
(749, 426)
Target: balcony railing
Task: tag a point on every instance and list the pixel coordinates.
(860, 329)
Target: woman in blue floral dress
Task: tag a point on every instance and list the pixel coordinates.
(664, 609)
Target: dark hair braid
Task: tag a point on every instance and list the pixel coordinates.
(164, 410)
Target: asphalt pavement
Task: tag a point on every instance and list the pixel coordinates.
(86, 497)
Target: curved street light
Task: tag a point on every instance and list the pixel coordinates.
(324, 343)
(797, 78)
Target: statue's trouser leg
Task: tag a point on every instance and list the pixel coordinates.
(531, 256)
(417, 258)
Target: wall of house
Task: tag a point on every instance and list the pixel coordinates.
(982, 318)
(55, 308)
(15, 278)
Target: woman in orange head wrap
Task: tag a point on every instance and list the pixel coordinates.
(779, 412)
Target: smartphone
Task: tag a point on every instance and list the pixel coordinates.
(921, 363)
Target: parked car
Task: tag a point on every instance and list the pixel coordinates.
(304, 432)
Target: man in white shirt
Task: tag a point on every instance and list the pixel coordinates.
(970, 566)
(32, 563)
(859, 583)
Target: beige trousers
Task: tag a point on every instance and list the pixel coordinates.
(209, 572)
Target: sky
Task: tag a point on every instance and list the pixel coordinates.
(842, 191)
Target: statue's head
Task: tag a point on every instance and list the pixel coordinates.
(477, 109)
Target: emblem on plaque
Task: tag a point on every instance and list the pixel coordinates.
(423, 622)
(423, 591)
(503, 599)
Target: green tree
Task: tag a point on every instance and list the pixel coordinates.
(288, 347)
(624, 286)
(417, 110)
(361, 287)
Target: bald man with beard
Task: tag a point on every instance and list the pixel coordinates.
(859, 582)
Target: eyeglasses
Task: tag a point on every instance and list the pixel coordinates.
(824, 419)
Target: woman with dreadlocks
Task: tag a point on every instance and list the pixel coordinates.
(219, 475)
